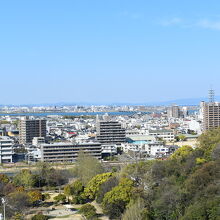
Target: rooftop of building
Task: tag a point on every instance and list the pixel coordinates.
(141, 137)
(71, 143)
(5, 138)
(160, 131)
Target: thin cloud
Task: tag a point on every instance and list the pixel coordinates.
(171, 22)
(207, 24)
(202, 23)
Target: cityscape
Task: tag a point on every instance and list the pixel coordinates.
(113, 135)
(147, 131)
(109, 110)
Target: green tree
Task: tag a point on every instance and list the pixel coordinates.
(182, 153)
(92, 187)
(4, 178)
(88, 211)
(87, 167)
(18, 201)
(115, 201)
(67, 191)
(47, 175)
(61, 198)
(215, 154)
(208, 141)
(105, 187)
(25, 178)
(35, 196)
(136, 210)
(167, 202)
(77, 187)
(139, 172)
(77, 192)
(205, 209)
(200, 179)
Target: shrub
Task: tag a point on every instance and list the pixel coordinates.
(60, 198)
(89, 211)
(40, 217)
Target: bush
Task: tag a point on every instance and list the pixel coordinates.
(78, 199)
(60, 198)
(40, 217)
(45, 196)
(89, 211)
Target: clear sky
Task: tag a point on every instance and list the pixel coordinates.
(106, 51)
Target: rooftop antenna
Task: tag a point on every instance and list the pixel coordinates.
(211, 95)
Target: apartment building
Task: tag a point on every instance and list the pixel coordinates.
(174, 112)
(154, 148)
(6, 149)
(210, 115)
(110, 132)
(30, 128)
(68, 152)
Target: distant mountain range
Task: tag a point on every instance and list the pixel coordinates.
(181, 102)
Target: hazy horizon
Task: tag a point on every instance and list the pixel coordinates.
(181, 102)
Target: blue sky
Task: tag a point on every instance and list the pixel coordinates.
(108, 51)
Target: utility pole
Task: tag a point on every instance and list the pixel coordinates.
(3, 202)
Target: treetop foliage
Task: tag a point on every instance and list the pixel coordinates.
(87, 167)
(92, 187)
(115, 201)
(208, 141)
(181, 153)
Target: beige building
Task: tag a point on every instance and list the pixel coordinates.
(211, 115)
(174, 112)
(30, 128)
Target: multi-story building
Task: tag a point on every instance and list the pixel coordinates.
(154, 149)
(167, 135)
(211, 115)
(109, 150)
(38, 140)
(110, 132)
(30, 128)
(68, 152)
(157, 148)
(174, 112)
(6, 149)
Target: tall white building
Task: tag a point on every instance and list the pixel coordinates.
(6, 149)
